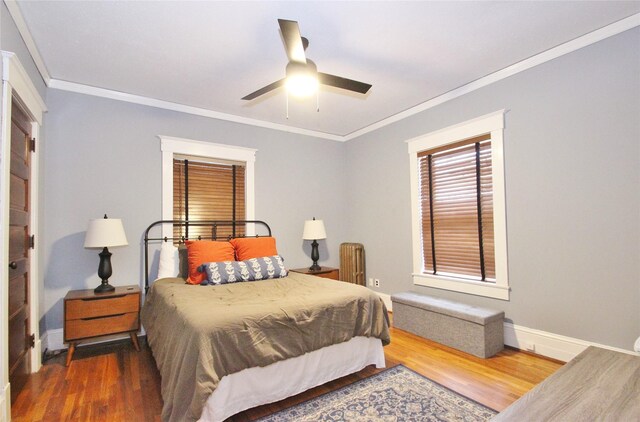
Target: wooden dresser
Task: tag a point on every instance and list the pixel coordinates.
(88, 314)
(324, 272)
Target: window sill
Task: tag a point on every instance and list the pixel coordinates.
(477, 288)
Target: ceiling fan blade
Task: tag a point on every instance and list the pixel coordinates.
(344, 83)
(264, 90)
(292, 40)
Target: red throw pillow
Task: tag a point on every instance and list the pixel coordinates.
(201, 251)
(254, 247)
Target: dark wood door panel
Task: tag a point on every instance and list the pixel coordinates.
(18, 193)
(18, 333)
(20, 267)
(19, 167)
(18, 375)
(20, 118)
(18, 288)
(19, 144)
(19, 217)
(17, 243)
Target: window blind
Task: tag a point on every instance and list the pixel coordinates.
(456, 200)
(208, 191)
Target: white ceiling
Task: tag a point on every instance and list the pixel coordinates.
(211, 54)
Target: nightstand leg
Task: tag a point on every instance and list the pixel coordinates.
(134, 340)
(72, 348)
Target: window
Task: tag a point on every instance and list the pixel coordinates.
(207, 189)
(210, 170)
(457, 210)
(459, 226)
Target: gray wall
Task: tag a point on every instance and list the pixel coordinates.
(104, 157)
(572, 163)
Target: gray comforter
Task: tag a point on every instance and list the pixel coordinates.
(199, 334)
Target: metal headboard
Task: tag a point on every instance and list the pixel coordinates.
(214, 224)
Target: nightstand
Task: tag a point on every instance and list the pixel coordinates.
(324, 272)
(88, 314)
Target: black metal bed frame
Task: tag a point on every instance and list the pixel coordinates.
(215, 224)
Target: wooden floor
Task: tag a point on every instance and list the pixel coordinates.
(115, 383)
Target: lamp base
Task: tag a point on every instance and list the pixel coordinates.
(104, 272)
(105, 287)
(315, 255)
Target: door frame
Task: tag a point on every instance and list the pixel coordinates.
(16, 83)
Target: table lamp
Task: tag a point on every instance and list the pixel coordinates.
(314, 230)
(104, 233)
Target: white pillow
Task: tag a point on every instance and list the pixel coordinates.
(169, 263)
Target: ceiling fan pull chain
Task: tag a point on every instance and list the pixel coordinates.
(287, 95)
(318, 101)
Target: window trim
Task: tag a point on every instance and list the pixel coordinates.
(493, 124)
(170, 146)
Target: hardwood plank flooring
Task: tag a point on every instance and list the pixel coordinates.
(113, 382)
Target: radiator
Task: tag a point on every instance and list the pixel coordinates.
(352, 263)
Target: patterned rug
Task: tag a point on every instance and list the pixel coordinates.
(393, 395)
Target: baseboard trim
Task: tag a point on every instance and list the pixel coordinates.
(36, 356)
(53, 339)
(5, 405)
(549, 344)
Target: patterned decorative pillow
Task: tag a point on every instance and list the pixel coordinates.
(250, 270)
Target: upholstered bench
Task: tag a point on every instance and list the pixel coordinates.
(478, 331)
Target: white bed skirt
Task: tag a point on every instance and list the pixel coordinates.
(261, 385)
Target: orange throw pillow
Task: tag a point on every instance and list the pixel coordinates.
(254, 247)
(201, 251)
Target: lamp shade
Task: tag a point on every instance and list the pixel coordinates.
(313, 230)
(105, 232)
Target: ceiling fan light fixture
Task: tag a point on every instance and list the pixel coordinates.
(302, 79)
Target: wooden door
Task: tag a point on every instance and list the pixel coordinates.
(20, 340)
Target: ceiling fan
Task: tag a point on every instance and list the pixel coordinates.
(302, 76)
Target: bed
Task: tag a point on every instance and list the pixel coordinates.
(227, 347)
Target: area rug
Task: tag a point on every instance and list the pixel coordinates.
(393, 395)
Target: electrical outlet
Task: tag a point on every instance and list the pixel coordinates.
(370, 282)
(376, 282)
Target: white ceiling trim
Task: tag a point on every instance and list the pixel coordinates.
(167, 105)
(548, 55)
(553, 53)
(16, 15)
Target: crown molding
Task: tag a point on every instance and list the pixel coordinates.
(538, 59)
(16, 15)
(167, 105)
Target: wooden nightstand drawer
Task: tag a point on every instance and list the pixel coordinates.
(324, 272)
(333, 274)
(96, 307)
(100, 326)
